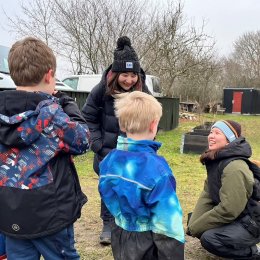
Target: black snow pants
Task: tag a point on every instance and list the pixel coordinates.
(230, 241)
(144, 246)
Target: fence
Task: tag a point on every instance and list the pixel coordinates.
(170, 117)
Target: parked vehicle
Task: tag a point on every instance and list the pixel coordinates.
(62, 86)
(86, 82)
(5, 80)
(82, 82)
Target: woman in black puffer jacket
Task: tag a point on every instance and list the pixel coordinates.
(123, 75)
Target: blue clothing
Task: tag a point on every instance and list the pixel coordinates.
(139, 189)
(2, 246)
(53, 247)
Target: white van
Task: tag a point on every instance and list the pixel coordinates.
(5, 80)
(84, 82)
(153, 84)
(87, 82)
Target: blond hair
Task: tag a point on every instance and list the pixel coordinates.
(136, 110)
(29, 59)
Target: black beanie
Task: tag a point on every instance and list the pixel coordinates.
(125, 57)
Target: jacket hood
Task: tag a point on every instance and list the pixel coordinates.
(128, 144)
(20, 118)
(238, 148)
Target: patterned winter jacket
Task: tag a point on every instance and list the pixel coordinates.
(40, 192)
(139, 189)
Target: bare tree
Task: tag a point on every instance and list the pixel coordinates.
(179, 49)
(37, 20)
(90, 38)
(242, 68)
(84, 32)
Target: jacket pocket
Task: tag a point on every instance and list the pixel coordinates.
(27, 213)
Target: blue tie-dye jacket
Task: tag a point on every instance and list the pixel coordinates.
(139, 189)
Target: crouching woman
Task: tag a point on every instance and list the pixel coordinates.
(225, 216)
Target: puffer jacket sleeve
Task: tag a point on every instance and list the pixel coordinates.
(237, 187)
(70, 107)
(92, 112)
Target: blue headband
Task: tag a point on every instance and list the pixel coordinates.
(226, 130)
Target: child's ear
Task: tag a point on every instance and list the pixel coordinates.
(153, 126)
(48, 76)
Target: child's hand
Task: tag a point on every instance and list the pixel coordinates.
(57, 93)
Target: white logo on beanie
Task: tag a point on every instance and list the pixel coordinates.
(129, 65)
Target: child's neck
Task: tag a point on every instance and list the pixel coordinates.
(140, 136)
(37, 88)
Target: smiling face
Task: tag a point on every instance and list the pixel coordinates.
(216, 139)
(127, 80)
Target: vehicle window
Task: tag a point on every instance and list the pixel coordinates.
(72, 82)
(156, 85)
(4, 59)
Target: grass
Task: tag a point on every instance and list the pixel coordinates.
(189, 174)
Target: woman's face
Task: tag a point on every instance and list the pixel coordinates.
(216, 139)
(127, 80)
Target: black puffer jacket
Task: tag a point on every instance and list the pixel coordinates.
(101, 120)
(40, 192)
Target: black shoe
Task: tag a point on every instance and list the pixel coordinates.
(105, 236)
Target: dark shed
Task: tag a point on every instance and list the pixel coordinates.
(242, 100)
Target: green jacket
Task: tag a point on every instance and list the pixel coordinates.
(236, 188)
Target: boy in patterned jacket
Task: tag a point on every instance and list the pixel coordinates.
(138, 186)
(40, 130)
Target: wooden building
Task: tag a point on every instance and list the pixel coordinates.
(242, 100)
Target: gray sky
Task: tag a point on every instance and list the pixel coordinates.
(226, 20)
(11, 7)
